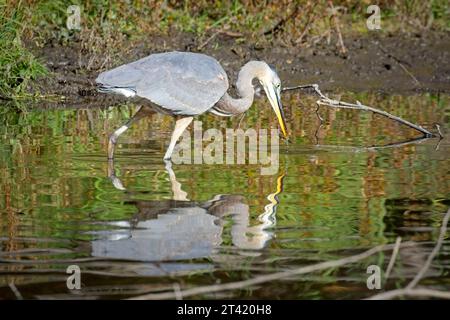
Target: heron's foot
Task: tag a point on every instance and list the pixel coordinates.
(117, 183)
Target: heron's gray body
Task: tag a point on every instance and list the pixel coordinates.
(182, 83)
(187, 84)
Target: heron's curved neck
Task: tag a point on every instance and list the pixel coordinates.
(244, 88)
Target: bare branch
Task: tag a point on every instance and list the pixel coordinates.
(438, 128)
(393, 258)
(16, 292)
(325, 101)
(409, 290)
(433, 254)
(422, 293)
(271, 277)
(373, 148)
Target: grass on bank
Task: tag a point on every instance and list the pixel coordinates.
(107, 26)
(17, 65)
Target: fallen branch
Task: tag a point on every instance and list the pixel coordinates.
(16, 292)
(410, 288)
(50, 261)
(269, 277)
(411, 293)
(34, 251)
(433, 253)
(325, 101)
(374, 147)
(393, 258)
(438, 128)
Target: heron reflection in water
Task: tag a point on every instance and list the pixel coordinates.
(180, 229)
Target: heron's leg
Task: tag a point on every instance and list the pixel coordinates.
(141, 113)
(180, 126)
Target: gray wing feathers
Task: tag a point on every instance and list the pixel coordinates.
(185, 83)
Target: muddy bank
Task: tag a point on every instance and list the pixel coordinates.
(392, 64)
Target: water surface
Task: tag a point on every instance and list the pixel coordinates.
(194, 225)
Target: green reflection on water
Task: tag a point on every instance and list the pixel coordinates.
(333, 197)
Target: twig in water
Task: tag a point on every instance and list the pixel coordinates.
(410, 288)
(316, 133)
(438, 128)
(325, 101)
(318, 114)
(373, 148)
(411, 293)
(15, 291)
(393, 258)
(436, 148)
(433, 254)
(335, 103)
(399, 144)
(34, 251)
(271, 277)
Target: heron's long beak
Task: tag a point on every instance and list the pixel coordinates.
(274, 98)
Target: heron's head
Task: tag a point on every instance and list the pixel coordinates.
(271, 83)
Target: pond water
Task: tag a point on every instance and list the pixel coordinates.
(152, 229)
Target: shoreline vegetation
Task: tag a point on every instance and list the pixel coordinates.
(109, 30)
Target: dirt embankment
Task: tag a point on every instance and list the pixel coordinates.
(392, 64)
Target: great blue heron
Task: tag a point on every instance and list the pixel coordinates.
(188, 84)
